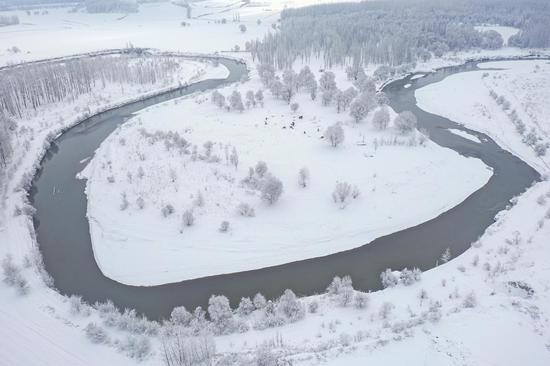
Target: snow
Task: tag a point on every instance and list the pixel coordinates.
(305, 223)
(522, 83)
(465, 134)
(505, 32)
(503, 329)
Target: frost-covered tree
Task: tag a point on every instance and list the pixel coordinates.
(276, 88)
(260, 97)
(236, 101)
(290, 85)
(327, 81)
(220, 314)
(361, 300)
(405, 122)
(361, 106)
(328, 96)
(245, 306)
(266, 71)
(217, 99)
(181, 316)
(290, 306)
(306, 81)
(381, 118)
(294, 107)
(271, 189)
(342, 194)
(187, 218)
(303, 177)
(409, 277)
(261, 168)
(446, 256)
(250, 99)
(334, 134)
(259, 301)
(388, 278)
(234, 158)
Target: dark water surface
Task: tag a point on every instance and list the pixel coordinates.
(64, 240)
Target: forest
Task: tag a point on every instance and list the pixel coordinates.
(398, 32)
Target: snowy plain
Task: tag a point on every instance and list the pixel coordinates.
(425, 179)
(40, 330)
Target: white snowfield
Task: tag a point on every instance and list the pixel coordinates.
(523, 84)
(400, 187)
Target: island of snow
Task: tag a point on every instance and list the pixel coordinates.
(171, 196)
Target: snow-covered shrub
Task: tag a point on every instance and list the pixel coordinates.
(409, 277)
(342, 290)
(244, 209)
(138, 347)
(361, 300)
(434, 312)
(422, 295)
(385, 310)
(334, 134)
(217, 99)
(405, 122)
(259, 301)
(236, 101)
(224, 227)
(271, 189)
(234, 158)
(313, 306)
(388, 278)
(260, 97)
(181, 350)
(291, 306)
(381, 118)
(78, 307)
(124, 202)
(541, 200)
(265, 356)
(167, 210)
(446, 256)
(271, 317)
(245, 306)
(341, 194)
(470, 301)
(13, 277)
(303, 177)
(188, 218)
(242, 28)
(261, 168)
(96, 333)
(540, 149)
(294, 107)
(140, 203)
(111, 6)
(181, 316)
(220, 314)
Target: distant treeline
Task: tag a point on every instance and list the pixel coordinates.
(112, 6)
(396, 32)
(8, 20)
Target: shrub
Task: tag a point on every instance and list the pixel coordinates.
(224, 227)
(188, 219)
(303, 177)
(470, 301)
(181, 350)
(405, 122)
(341, 194)
(244, 209)
(361, 300)
(245, 306)
(259, 301)
(220, 314)
(78, 307)
(167, 210)
(261, 168)
(290, 306)
(388, 278)
(334, 134)
(271, 189)
(96, 333)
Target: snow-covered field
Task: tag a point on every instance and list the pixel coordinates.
(521, 84)
(401, 186)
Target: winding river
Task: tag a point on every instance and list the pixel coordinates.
(63, 233)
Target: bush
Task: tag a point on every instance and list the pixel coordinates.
(409, 277)
(342, 192)
(405, 122)
(180, 350)
(138, 348)
(181, 316)
(334, 134)
(224, 227)
(13, 276)
(385, 310)
(470, 301)
(244, 209)
(381, 118)
(290, 306)
(388, 278)
(271, 189)
(220, 314)
(188, 218)
(361, 300)
(167, 210)
(303, 177)
(78, 307)
(313, 307)
(96, 333)
(246, 306)
(259, 301)
(261, 168)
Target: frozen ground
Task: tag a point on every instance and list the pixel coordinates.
(305, 223)
(522, 84)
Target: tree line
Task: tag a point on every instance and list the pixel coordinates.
(398, 32)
